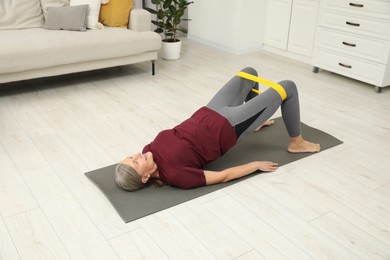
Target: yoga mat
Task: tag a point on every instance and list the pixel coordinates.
(269, 144)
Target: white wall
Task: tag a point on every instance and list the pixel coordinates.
(236, 26)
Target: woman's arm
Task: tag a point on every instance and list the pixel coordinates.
(213, 177)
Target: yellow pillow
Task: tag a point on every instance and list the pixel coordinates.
(116, 13)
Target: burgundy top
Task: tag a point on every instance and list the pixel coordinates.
(182, 152)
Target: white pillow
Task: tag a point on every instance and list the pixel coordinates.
(93, 11)
(20, 14)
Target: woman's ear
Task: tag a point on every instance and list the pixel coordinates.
(145, 178)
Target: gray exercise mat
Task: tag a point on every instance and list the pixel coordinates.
(269, 144)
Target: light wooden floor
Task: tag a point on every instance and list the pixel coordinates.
(333, 205)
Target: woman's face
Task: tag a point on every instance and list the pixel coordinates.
(142, 163)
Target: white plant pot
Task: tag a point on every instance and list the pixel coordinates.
(171, 50)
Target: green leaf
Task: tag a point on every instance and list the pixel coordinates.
(169, 26)
(150, 10)
(166, 13)
(167, 3)
(172, 9)
(183, 30)
(161, 14)
(156, 2)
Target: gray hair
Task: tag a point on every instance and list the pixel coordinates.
(127, 178)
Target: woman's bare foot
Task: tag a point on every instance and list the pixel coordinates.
(299, 145)
(266, 123)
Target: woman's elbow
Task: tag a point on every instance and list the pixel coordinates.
(216, 177)
(225, 177)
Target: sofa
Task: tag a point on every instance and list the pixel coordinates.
(29, 50)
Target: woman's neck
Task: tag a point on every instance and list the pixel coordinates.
(155, 175)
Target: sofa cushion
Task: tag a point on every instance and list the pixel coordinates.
(38, 48)
(72, 18)
(116, 13)
(52, 3)
(20, 14)
(93, 11)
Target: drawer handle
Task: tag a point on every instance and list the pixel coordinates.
(352, 24)
(356, 5)
(349, 44)
(345, 66)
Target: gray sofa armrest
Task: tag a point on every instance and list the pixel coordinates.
(140, 20)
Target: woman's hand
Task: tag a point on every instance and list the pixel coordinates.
(229, 174)
(266, 166)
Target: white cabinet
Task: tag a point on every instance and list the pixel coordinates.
(302, 27)
(353, 39)
(277, 23)
(290, 27)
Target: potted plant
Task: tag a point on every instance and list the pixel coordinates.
(169, 15)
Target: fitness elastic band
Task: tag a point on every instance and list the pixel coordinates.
(277, 87)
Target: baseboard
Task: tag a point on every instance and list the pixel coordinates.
(290, 55)
(225, 47)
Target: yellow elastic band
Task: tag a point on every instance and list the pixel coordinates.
(257, 91)
(275, 86)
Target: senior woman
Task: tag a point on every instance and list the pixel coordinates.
(178, 156)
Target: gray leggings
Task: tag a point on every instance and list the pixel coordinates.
(246, 110)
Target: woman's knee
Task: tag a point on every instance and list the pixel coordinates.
(289, 86)
(250, 70)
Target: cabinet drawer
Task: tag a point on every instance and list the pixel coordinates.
(351, 44)
(354, 24)
(363, 70)
(374, 8)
